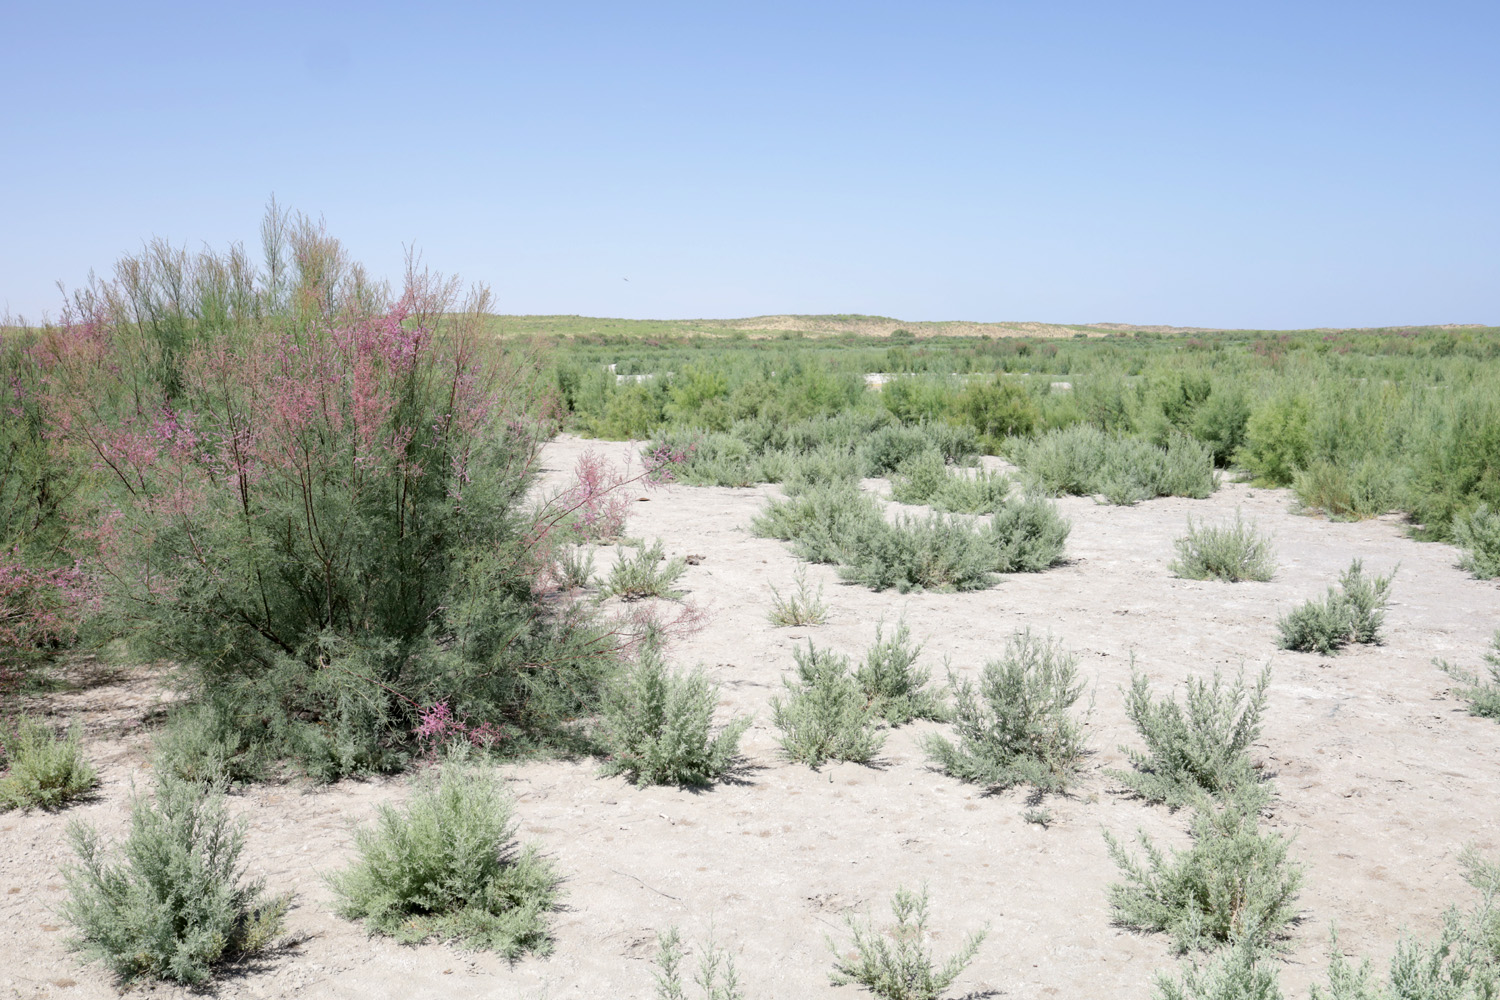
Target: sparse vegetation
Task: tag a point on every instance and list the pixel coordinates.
(804, 607)
(826, 714)
(657, 726)
(716, 976)
(1015, 726)
(1481, 693)
(897, 963)
(892, 682)
(1224, 552)
(43, 770)
(174, 903)
(647, 573)
(1351, 614)
(448, 867)
(1197, 748)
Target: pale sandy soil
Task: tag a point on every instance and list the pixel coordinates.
(1383, 777)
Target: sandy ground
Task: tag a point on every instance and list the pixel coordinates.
(1383, 778)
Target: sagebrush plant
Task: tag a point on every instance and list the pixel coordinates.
(1198, 747)
(716, 976)
(938, 552)
(1235, 883)
(1238, 973)
(647, 573)
(316, 494)
(1481, 693)
(826, 714)
(1028, 534)
(1015, 726)
(206, 743)
(657, 726)
(804, 607)
(172, 902)
(1477, 533)
(1351, 614)
(45, 771)
(574, 567)
(1085, 461)
(447, 866)
(897, 963)
(892, 682)
(1228, 552)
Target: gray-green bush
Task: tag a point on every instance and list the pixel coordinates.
(206, 743)
(1478, 534)
(824, 524)
(647, 573)
(1083, 460)
(175, 902)
(1197, 748)
(657, 726)
(448, 867)
(1353, 613)
(938, 552)
(826, 714)
(1029, 535)
(804, 607)
(897, 963)
(44, 771)
(1235, 883)
(1015, 726)
(716, 977)
(1481, 693)
(895, 686)
(1228, 552)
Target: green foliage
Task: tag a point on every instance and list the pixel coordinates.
(926, 479)
(1085, 461)
(657, 726)
(938, 552)
(1197, 748)
(897, 963)
(575, 567)
(894, 685)
(918, 479)
(1028, 535)
(1482, 694)
(1235, 883)
(1278, 440)
(1478, 534)
(647, 573)
(802, 608)
(1346, 491)
(1351, 614)
(174, 903)
(998, 409)
(826, 715)
(1239, 973)
(45, 772)
(448, 867)
(1015, 726)
(716, 976)
(206, 743)
(825, 524)
(1224, 552)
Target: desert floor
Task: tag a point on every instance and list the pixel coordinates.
(1382, 776)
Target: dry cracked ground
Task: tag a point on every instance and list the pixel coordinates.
(1383, 779)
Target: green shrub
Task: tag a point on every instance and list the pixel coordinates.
(885, 449)
(1478, 534)
(1014, 727)
(1197, 748)
(1350, 492)
(897, 963)
(826, 715)
(824, 523)
(826, 464)
(174, 904)
(716, 977)
(1084, 461)
(892, 682)
(448, 867)
(998, 409)
(802, 608)
(1234, 884)
(575, 567)
(1240, 973)
(920, 478)
(1278, 440)
(207, 744)
(1224, 552)
(938, 552)
(1351, 614)
(1483, 695)
(648, 573)
(1028, 535)
(45, 772)
(656, 726)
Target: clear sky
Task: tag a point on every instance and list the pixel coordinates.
(1214, 164)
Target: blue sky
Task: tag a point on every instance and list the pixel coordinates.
(1272, 164)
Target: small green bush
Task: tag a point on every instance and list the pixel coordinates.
(885, 449)
(648, 573)
(448, 867)
(1478, 534)
(895, 686)
(1197, 748)
(826, 715)
(1240, 973)
(1234, 884)
(1483, 695)
(897, 963)
(802, 608)
(1028, 535)
(1082, 460)
(1350, 491)
(825, 523)
(1231, 553)
(657, 725)
(1351, 614)
(206, 743)
(1014, 727)
(716, 978)
(175, 903)
(45, 772)
(575, 567)
(938, 552)
(920, 478)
